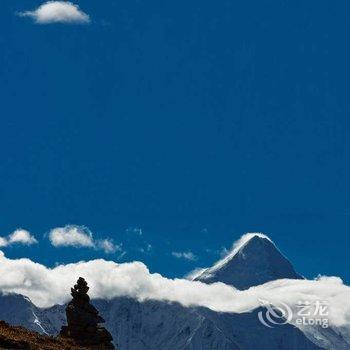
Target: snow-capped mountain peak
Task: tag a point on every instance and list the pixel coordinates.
(158, 324)
(253, 260)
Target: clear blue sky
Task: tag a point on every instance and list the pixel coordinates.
(196, 121)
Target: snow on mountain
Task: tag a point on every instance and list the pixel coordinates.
(253, 261)
(328, 338)
(157, 325)
(19, 310)
(161, 325)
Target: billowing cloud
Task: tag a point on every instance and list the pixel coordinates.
(107, 279)
(184, 255)
(80, 237)
(57, 12)
(74, 236)
(23, 237)
(20, 236)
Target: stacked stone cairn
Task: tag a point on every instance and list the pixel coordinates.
(84, 322)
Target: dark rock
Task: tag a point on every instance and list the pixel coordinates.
(84, 322)
(13, 344)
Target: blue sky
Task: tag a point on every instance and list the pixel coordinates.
(180, 126)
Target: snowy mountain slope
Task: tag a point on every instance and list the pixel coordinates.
(256, 262)
(19, 310)
(328, 338)
(52, 319)
(158, 325)
(153, 325)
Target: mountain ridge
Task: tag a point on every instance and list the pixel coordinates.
(255, 261)
(158, 324)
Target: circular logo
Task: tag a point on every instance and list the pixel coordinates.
(276, 314)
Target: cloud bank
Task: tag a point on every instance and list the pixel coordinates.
(19, 236)
(57, 12)
(107, 279)
(80, 236)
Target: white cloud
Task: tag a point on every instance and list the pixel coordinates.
(107, 279)
(108, 246)
(184, 255)
(23, 237)
(71, 236)
(80, 236)
(3, 242)
(20, 236)
(57, 12)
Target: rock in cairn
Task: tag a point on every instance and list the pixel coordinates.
(84, 321)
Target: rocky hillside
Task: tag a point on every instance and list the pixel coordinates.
(20, 338)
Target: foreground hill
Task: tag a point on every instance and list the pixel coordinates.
(22, 339)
